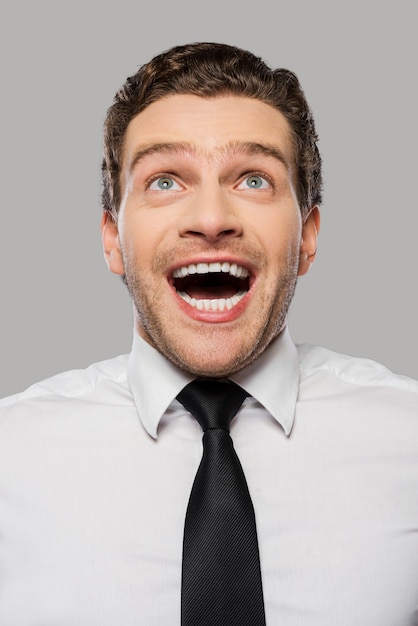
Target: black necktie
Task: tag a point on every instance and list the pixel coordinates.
(221, 579)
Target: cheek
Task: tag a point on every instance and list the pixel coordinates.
(278, 227)
(280, 244)
(137, 239)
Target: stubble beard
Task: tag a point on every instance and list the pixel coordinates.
(259, 334)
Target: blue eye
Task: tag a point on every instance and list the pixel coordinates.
(164, 183)
(254, 182)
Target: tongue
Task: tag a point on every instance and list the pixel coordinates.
(211, 292)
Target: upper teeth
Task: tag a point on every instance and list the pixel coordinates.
(205, 268)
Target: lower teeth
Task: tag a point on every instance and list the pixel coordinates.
(218, 304)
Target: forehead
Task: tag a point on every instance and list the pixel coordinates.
(210, 125)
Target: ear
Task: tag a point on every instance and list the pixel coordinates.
(111, 244)
(309, 240)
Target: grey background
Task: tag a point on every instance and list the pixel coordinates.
(60, 66)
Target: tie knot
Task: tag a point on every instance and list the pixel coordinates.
(212, 402)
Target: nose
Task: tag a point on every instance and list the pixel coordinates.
(210, 215)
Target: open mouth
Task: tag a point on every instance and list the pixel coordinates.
(211, 286)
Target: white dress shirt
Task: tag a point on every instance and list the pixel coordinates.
(96, 468)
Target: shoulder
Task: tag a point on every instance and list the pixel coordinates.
(373, 406)
(97, 382)
(354, 370)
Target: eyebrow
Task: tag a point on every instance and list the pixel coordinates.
(245, 148)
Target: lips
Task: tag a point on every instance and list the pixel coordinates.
(213, 286)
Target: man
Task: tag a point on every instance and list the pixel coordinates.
(212, 185)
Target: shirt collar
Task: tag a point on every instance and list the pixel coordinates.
(272, 379)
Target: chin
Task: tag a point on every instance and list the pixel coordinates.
(210, 370)
(218, 361)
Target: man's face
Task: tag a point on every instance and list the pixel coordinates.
(209, 233)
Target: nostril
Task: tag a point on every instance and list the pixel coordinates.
(211, 235)
(195, 233)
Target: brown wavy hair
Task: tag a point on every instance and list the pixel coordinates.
(209, 70)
